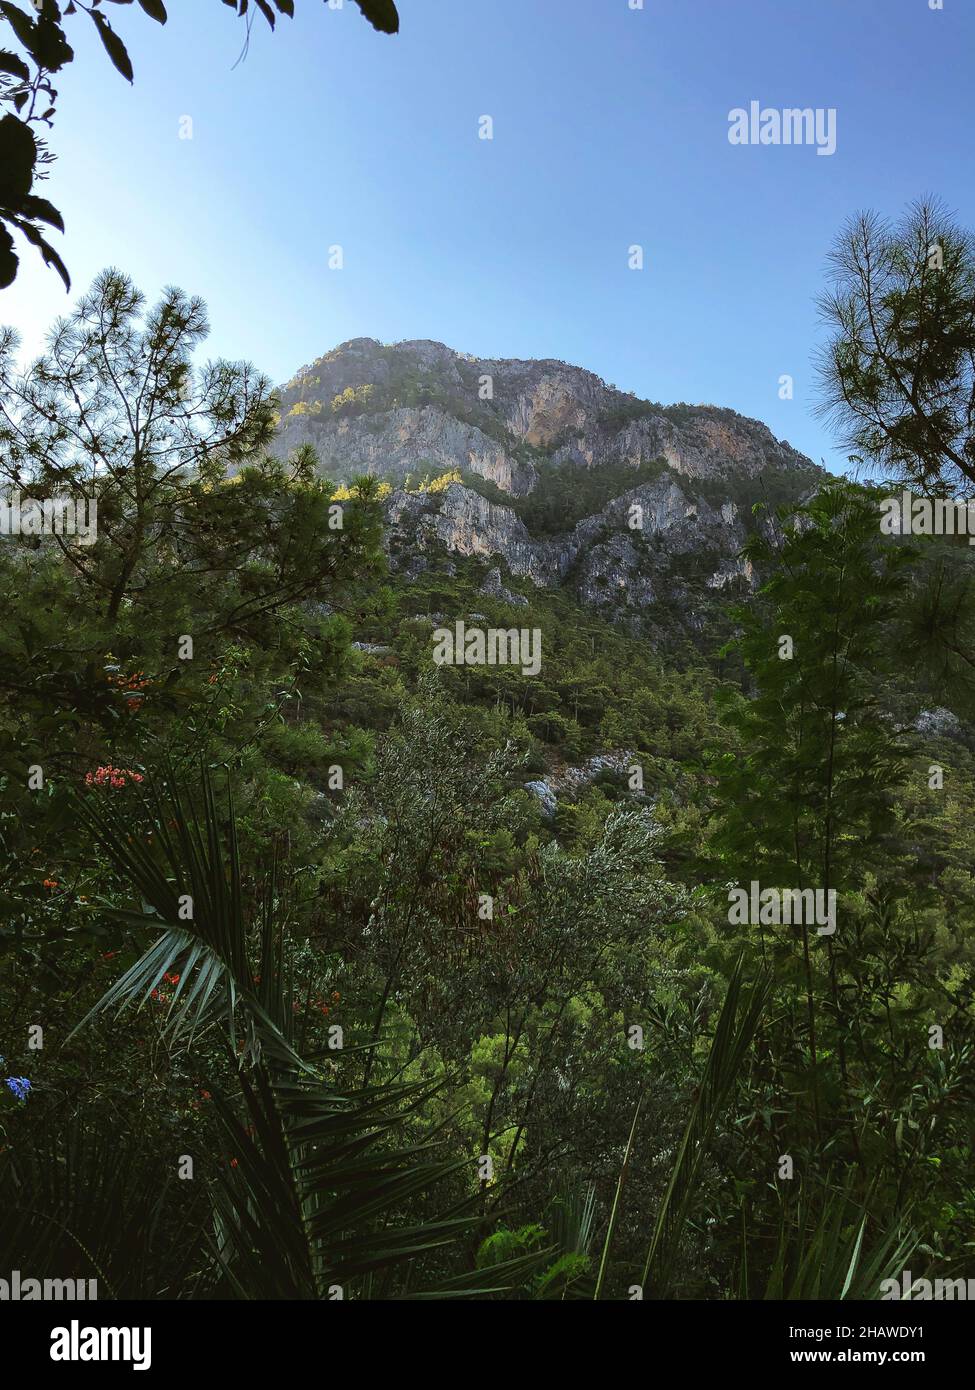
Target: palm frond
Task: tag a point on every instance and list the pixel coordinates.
(315, 1190)
(183, 865)
(607, 1243)
(828, 1247)
(85, 1205)
(737, 1023)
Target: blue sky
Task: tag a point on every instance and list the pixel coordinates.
(610, 129)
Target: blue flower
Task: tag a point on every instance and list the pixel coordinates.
(19, 1085)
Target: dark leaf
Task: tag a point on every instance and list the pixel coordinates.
(40, 210)
(114, 46)
(44, 40)
(381, 14)
(9, 62)
(22, 25)
(8, 258)
(51, 257)
(18, 155)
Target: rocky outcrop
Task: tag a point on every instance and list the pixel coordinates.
(547, 800)
(561, 783)
(938, 723)
(415, 412)
(419, 406)
(407, 443)
(494, 588)
(702, 442)
(602, 557)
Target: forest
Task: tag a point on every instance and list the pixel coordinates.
(307, 994)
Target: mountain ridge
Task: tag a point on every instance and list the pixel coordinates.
(552, 407)
(546, 472)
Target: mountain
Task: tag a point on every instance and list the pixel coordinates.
(547, 473)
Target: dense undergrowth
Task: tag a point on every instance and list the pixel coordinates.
(329, 1002)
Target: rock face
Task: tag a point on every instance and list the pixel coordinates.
(671, 487)
(547, 799)
(395, 410)
(938, 723)
(569, 782)
(493, 586)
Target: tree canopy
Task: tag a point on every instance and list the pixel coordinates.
(898, 372)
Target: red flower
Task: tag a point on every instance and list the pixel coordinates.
(109, 776)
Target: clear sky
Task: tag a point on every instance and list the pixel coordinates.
(610, 129)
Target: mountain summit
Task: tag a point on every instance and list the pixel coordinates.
(418, 404)
(547, 472)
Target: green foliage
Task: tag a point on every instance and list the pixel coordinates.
(314, 1175)
(563, 495)
(822, 794)
(897, 375)
(354, 400)
(234, 854)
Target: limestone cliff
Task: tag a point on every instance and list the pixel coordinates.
(565, 481)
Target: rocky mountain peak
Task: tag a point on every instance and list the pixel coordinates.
(390, 409)
(540, 464)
